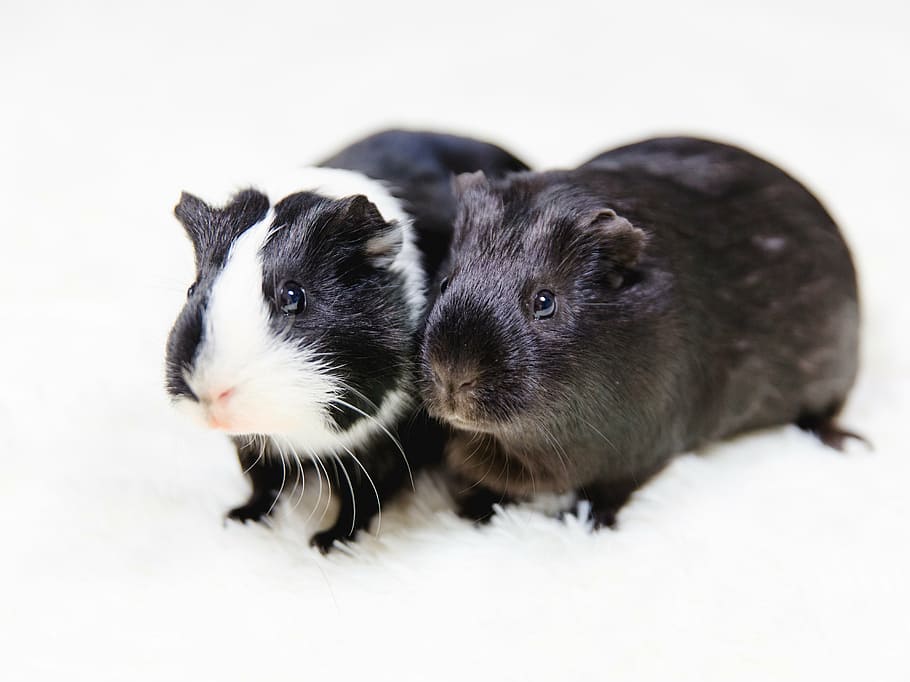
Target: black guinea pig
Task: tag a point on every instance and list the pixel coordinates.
(300, 332)
(596, 321)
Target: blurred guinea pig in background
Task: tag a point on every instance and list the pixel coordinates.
(300, 332)
(594, 322)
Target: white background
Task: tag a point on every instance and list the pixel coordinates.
(764, 558)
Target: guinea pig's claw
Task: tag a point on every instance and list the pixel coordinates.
(603, 518)
(324, 541)
(247, 512)
(829, 432)
(478, 504)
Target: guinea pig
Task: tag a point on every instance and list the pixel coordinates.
(594, 322)
(300, 333)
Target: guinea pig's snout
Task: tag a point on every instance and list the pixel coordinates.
(452, 381)
(454, 386)
(217, 406)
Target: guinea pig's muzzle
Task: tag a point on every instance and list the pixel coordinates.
(469, 371)
(453, 390)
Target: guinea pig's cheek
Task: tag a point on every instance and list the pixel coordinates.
(244, 412)
(232, 410)
(278, 402)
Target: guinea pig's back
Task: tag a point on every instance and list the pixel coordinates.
(763, 280)
(418, 167)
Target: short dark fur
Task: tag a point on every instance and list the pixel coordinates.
(357, 311)
(701, 292)
(418, 166)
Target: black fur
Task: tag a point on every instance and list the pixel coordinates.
(356, 311)
(418, 167)
(701, 292)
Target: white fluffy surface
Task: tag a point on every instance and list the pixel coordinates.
(768, 557)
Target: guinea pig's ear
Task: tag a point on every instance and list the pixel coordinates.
(358, 210)
(385, 247)
(247, 207)
(195, 215)
(464, 182)
(623, 242)
(383, 240)
(212, 229)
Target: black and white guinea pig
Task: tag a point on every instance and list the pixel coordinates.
(300, 332)
(596, 321)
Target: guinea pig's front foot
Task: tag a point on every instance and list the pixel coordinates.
(358, 503)
(606, 499)
(603, 517)
(257, 509)
(267, 478)
(477, 503)
(324, 540)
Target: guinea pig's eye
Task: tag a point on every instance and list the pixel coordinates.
(191, 290)
(544, 304)
(443, 285)
(291, 298)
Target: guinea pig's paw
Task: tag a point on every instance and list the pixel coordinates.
(324, 541)
(585, 511)
(831, 434)
(837, 438)
(477, 504)
(603, 517)
(256, 510)
(607, 498)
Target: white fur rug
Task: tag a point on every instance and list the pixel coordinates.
(766, 558)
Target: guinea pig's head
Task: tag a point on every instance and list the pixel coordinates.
(539, 299)
(301, 319)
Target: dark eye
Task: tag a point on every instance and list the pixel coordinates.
(443, 285)
(191, 290)
(544, 304)
(291, 298)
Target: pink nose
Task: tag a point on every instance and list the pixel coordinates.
(218, 411)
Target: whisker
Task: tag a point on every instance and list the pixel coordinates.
(482, 478)
(373, 485)
(328, 483)
(319, 479)
(351, 488)
(301, 480)
(557, 448)
(347, 387)
(258, 457)
(476, 437)
(597, 431)
(386, 431)
(281, 489)
(300, 473)
(507, 468)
